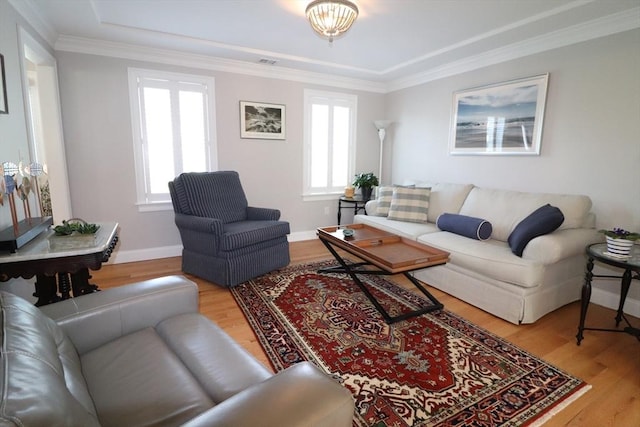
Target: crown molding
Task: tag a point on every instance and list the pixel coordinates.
(173, 57)
(601, 27)
(30, 14)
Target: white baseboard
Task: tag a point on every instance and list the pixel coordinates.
(598, 295)
(612, 299)
(121, 257)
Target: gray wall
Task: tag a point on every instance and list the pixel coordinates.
(590, 143)
(97, 123)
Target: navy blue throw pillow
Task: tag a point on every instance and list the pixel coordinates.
(542, 221)
(468, 226)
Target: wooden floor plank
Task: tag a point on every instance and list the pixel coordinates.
(609, 362)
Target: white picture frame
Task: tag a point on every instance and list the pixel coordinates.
(499, 119)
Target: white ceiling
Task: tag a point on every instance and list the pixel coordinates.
(391, 41)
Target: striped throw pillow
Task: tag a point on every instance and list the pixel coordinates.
(409, 204)
(384, 200)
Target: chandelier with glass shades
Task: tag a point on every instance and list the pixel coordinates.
(331, 18)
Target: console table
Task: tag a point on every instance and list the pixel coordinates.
(631, 267)
(59, 273)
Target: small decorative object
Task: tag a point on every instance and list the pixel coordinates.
(72, 234)
(262, 121)
(365, 182)
(349, 191)
(347, 232)
(620, 241)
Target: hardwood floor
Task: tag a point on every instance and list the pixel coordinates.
(609, 362)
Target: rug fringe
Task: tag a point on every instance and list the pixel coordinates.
(560, 406)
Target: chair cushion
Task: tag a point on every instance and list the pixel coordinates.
(215, 195)
(227, 368)
(40, 374)
(246, 233)
(137, 380)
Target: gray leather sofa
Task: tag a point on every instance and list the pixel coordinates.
(141, 354)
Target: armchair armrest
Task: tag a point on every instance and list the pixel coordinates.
(266, 214)
(199, 224)
(94, 319)
(301, 395)
(199, 234)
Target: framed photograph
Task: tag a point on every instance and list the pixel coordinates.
(499, 119)
(4, 107)
(262, 121)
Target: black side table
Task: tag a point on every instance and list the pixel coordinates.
(631, 267)
(357, 202)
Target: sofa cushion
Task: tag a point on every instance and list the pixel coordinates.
(468, 226)
(137, 380)
(542, 221)
(409, 204)
(491, 259)
(447, 197)
(410, 230)
(384, 200)
(40, 374)
(504, 209)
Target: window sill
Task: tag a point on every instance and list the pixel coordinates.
(154, 206)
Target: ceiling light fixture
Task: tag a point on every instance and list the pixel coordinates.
(331, 18)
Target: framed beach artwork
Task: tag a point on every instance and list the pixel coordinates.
(4, 107)
(500, 119)
(262, 121)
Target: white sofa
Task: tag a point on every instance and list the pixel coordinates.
(486, 273)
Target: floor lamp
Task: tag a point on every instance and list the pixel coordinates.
(382, 126)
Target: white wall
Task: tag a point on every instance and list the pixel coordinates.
(97, 126)
(590, 143)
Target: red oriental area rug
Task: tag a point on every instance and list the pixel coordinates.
(435, 369)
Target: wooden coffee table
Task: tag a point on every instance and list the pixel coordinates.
(390, 253)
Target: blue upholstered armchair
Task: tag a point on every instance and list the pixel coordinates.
(225, 240)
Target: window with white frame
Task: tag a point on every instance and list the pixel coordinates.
(329, 142)
(173, 121)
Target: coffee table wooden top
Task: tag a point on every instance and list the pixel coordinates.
(388, 251)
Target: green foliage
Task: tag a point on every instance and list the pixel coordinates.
(365, 180)
(619, 233)
(74, 225)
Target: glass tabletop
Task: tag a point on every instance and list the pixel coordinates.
(599, 252)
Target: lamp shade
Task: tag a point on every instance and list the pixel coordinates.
(331, 18)
(382, 124)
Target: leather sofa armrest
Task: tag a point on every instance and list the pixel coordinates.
(94, 319)
(266, 214)
(199, 224)
(301, 395)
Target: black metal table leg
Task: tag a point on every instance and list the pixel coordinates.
(353, 269)
(586, 297)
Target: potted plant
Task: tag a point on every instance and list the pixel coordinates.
(72, 234)
(365, 182)
(620, 241)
